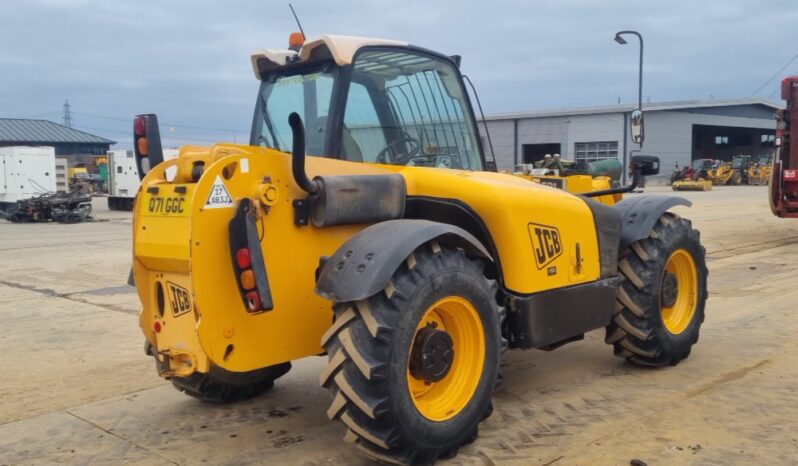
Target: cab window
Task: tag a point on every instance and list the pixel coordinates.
(408, 108)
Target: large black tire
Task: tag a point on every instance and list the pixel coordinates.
(638, 331)
(221, 386)
(369, 345)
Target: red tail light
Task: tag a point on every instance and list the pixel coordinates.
(139, 126)
(242, 258)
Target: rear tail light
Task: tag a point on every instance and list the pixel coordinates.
(147, 142)
(253, 301)
(249, 266)
(139, 126)
(143, 146)
(243, 259)
(248, 279)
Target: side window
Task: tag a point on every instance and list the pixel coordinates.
(363, 137)
(288, 94)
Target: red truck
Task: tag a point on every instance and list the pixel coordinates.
(783, 190)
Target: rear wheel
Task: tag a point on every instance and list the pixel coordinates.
(660, 305)
(221, 386)
(212, 388)
(412, 368)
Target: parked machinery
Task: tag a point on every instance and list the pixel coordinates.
(594, 179)
(739, 167)
(51, 207)
(697, 178)
(759, 172)
(732, 173)
(783, 186)
(391, 250)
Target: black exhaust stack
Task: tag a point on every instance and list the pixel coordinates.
(298, 155)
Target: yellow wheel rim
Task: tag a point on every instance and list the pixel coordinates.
(444, 399)
(678, 305)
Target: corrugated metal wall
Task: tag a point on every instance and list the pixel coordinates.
(668, 133)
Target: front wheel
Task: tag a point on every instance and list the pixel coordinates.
(660, 304)
(412, 368)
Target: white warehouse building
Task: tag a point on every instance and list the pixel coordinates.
(676, 132)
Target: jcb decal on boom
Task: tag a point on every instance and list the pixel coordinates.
(179, 300)
(546, 243)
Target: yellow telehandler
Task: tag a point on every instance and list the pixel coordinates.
(759, 172)
(361, 223)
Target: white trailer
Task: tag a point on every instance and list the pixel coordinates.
(61, 171)
(123, 177)
(25, 172)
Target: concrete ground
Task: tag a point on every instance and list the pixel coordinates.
(77, 388)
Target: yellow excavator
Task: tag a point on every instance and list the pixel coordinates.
(363, 223)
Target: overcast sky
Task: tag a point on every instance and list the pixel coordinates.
(188, 60)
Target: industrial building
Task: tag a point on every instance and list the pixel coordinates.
(677, 132)
(77, 146)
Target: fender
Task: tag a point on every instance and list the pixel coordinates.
(364, 264)
(639, 214)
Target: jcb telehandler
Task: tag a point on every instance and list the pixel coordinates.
(391, 250)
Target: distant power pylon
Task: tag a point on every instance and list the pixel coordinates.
(67, 115)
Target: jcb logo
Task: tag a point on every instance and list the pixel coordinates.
(546, 243)
(178, 299)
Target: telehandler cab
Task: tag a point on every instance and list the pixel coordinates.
(391, 250)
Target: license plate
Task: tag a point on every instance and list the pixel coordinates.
(166, 205)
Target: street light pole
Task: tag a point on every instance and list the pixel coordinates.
(619, 39)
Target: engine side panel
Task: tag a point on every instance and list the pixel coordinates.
(545, 237)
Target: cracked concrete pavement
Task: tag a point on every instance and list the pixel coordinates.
(78, 389)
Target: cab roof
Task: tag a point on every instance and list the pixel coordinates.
(339, 48)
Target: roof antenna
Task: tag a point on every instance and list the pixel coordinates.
(297, 21)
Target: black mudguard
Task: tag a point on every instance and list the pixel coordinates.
(640, 213)
(365, 263)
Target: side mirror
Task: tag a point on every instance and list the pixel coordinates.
(646, 165)
(637, 127)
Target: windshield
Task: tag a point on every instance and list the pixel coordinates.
(307, 94)
(408, 108)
